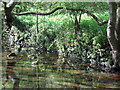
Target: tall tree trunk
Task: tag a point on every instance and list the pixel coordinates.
(113, 33)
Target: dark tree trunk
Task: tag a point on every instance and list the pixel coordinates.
(11, 19)
(77, 26)
(113, 33)
(8, 7)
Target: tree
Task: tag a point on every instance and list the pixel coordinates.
(10, 18)
(8, 12)
(113, 29)
(113, 33)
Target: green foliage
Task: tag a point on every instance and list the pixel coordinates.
(57, 31)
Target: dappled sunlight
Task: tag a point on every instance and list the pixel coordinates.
(52, 75)
(60, 45)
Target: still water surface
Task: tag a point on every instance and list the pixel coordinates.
(52, 71)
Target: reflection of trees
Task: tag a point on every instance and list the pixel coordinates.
(71, 63)
(10, 75)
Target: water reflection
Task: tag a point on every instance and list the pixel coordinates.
(52, 71)
(10, 75)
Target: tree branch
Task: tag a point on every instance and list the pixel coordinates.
(70, 9)
(10, 5)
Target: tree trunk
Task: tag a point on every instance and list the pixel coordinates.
(113, 33)
(8, 7)
(11, 19)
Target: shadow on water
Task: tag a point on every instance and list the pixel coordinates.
(10, 75)
(33, 70)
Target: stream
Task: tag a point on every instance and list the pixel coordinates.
(48, 70)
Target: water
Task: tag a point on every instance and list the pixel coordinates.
(33, 70)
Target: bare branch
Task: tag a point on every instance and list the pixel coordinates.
(39, 13)
(70, 9)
